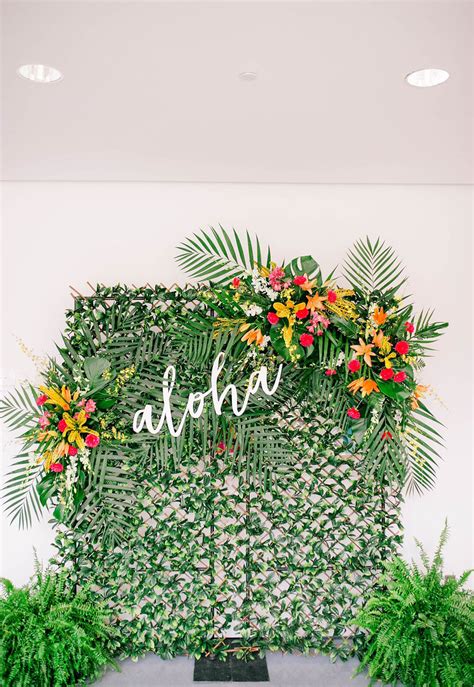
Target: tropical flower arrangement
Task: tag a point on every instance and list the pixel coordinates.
(362, 337)
(70, 419)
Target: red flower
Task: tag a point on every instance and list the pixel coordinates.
(332, 296)
(330, 372)
(62, 425)
(402, 347)
(299, 280)
(235, 283)
(301, 314)
(410, 327)
(353, 413)
(353, 365)
(387, 435)
(386, 373)
(41, 400)
(56, 467)
(72, 451)
(273, 318)
(400, 377)
(306, 340)
(92, 441)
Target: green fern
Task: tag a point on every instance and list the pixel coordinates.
(51, 636)
(420, 626)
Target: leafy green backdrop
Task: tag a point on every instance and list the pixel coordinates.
(267, 527)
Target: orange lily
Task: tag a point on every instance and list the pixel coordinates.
(61, 398)
(316, 302)
(420, 391)
(356, 385)
(254, 336)
(379, 316)
(377, 339)
(308, 285)
(365, 350)
(368, 386)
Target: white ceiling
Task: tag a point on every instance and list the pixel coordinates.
(151, 91)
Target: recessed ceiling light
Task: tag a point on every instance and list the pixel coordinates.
(39, 73)
(248, 76)
(425, 78)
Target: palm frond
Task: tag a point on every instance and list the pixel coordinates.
(21, 500)
(373, 267)
(217, 256)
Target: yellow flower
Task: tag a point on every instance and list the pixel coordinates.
(53, 455)
(288, 309)
(287, 334)
(75, 427)
(61, 398)
(365, 350)
(387, 359)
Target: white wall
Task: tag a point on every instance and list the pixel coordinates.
(56, 234)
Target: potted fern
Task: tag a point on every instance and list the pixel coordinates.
(420, 625)
(49, 635)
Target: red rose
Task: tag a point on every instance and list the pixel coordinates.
(41, 400)
(400, 377)
(386, 373)
(402, 347)
(235, 282)
(299, 280)
(353, 413)
(306, 340)
(387, 435)
(332, 296)
(72, 451)
(62, 426)
(273, 318)
(330, 372)
(353, 365)
(301, 314)
(92, 441)
(410, 327)
(56, 467)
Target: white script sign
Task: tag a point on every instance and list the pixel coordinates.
(195, 404)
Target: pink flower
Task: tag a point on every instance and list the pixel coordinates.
(353, 365)
(90, 406)
(235, 283)
(332, 296)
(56, 467)
(62, 426)
(273, 318)
(299, 280)
(41, 400)
(43, 420)
(306, 340)
(72, 451)
(82, 403)
(330, 371)
(301, 314)
(400, 377)
(275, 278)
(92, 441)
(353, 413)
(318, 323)
(409, 327)
(402, 347)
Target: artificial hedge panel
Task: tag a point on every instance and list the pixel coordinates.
(190, 546)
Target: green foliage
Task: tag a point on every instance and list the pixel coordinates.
(217, 256)
(374, 267)
(51, 636)
(420, 626)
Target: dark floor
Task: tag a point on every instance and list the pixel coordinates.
(284, 670)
